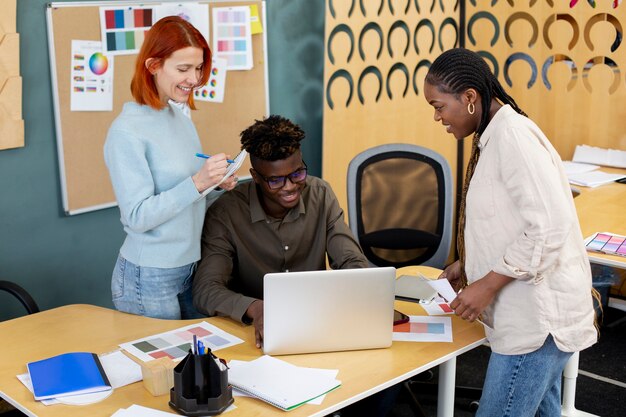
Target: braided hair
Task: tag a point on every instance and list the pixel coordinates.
(272, 139)
(458, 69)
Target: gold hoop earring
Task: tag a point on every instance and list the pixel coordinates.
(471, 108)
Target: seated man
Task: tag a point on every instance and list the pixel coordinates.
(284, 220)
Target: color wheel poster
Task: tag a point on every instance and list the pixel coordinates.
(231, 36)
(175, 344)
(123, 28)
(213, 90)
(91, 82)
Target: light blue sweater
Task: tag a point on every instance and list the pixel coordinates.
(150, 155)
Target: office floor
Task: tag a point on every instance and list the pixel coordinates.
(606, 359)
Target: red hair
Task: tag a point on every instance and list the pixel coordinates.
(166, 36)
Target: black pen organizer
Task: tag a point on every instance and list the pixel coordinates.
(200, 387)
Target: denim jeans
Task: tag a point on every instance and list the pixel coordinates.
(524, 385)
(163, 293)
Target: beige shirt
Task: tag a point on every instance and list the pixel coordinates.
(240, 244)
(521, 222)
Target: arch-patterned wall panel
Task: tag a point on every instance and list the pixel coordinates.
(373, 95)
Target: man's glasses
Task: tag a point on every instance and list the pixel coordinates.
(295, 177)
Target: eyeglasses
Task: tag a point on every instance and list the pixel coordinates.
(295, 177)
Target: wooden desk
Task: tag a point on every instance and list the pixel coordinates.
(603, 209)
(100, 330)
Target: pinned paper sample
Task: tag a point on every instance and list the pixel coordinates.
(123, 28)
(213, 90)
(424, 329)
(232, 39)
(175, 344)
(194, 13)
(255, 21)
(91, 77)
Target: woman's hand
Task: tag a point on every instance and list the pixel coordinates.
(229, 183)
(211, 172)
(453, 274)
(476, 297)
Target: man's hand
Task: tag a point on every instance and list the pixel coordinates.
(255, 312)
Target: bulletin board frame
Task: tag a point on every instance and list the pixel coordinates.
(80, 136)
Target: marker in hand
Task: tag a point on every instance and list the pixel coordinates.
(201, 155)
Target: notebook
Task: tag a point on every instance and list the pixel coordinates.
(280, 383)
(67, 374)
(327, 311)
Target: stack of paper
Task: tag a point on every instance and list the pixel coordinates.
(594, 178)
(280, 383)
(600, 156)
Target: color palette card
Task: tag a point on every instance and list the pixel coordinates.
(175, 344)
(606, 242)
(424, 329)
(91, 77)
(213, 90)
(437, 307)
(232, 39)
(123, 28)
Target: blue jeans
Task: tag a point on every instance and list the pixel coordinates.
(524, 385)
(163, 293)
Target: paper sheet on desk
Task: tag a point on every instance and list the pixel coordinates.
(140, 411)
(232, 168)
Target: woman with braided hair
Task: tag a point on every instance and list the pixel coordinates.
(523, 268)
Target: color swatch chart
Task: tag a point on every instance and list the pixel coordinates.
(607, 243)
(424, 329)
(123, 28)
(232, 39)
(175, 344)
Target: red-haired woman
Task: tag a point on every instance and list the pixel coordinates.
(158, 181)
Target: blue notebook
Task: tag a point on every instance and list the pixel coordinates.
(67, 374)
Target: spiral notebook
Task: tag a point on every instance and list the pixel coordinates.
(280, 383)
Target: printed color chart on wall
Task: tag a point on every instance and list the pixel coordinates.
(232, 39)
(123, 28)
(607, 243)
(175, 344)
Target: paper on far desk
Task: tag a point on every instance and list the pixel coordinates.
(578, 167)
(120, 369)
(237, 162)
(600, 156)
(594, 178)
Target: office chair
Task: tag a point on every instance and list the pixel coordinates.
(400, 211)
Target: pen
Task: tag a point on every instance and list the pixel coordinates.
(201, 155)
(195, 344)
(200, 348)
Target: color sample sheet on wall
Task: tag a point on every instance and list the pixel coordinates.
(424, 329)
(123, 28)
(213, 90)
(175, 344)
(194, 13)
(91, 77)
(232, 39)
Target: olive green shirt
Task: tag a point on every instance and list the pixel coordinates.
(240, 244)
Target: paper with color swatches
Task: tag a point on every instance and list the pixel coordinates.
(606, 242)
(175, 344)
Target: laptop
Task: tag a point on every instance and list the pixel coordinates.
(328, 311)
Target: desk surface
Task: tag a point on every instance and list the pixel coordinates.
(603, 209)
(100, 330)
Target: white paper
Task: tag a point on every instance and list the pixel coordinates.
(91, 78)
(237, 162)
(578, 167)
(424, 329)
(280, 383)
(213, 90)
(194, 13)
(443, 287)
(232, 39)
(600, 156)
(82, 399)
(327, 373)
(141, 411)
(594, 178)
(120, 369)
(437, 307)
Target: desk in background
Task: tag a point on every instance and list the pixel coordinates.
(100, 330)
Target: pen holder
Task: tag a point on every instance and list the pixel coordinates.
(200, 387)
